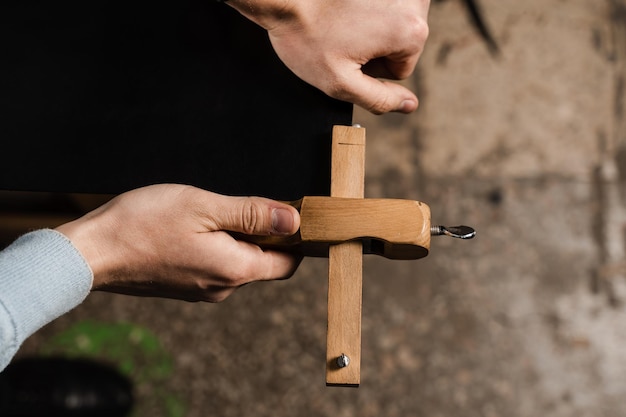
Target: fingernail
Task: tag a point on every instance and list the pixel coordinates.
(282, 222)
(407, 106)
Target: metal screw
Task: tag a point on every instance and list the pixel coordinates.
(343, 361)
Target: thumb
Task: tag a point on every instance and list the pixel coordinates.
(256, 216)
(379, 96)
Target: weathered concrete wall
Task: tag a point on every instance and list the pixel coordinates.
(527, 146)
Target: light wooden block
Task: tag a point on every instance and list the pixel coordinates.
(345, 263)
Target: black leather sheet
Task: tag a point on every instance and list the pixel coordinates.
(102, 97)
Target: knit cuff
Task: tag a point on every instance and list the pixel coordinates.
(42, 276)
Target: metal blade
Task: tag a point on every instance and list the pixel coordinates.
(459, 232)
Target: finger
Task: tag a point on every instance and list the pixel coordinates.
(377, 96)
(279, 266)
(256, 216)
(392, 69)
(265, 265)
(242, 262)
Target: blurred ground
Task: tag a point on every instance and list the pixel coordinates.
(526, 320)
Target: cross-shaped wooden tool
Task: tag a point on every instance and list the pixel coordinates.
(345, 226)
(345, 260)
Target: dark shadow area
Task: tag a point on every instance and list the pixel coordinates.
(55, 386)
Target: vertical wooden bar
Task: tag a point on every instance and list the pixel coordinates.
(345, 263)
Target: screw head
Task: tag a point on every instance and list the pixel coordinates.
(343, 361)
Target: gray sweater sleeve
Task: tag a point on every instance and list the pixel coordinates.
(42, 276)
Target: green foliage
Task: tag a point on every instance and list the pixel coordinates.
(134, 350)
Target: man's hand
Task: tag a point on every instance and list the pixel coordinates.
(171, 241)
(343, 47)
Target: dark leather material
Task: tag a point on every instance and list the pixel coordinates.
(102, 97)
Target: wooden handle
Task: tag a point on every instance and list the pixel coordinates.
(395, 229)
